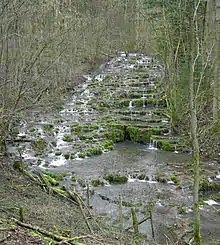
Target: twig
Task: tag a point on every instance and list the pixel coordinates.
(81, 210)
(139, 223)
(7, 229)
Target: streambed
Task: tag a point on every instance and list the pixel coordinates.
(97, 133)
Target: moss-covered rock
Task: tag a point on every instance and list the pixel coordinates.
(165, 145)
(67, 156)
(206, 185)
(97, 182)
(67, 138)
(116, 133)
(39, 145)
(116, 179)
(107, 144)
(58, 153)
(139, 135)
(81, 155)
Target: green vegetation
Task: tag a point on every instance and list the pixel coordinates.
(67, 138)
(51, 180)
(39, 145)
(97, 182)
(47, 127)
(58, 153)
(67, 156)
(206, 185)
(116, 179)
(81, 155)
(54, 176)
(165, 145)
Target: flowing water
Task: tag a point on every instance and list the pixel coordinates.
(121, 103)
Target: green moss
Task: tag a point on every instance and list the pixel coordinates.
(88, 154)
(58, 153)
(32, 129)
(84, 128)
(218, 211)
(75, 124)
(107, 143)
(141, 177)
(79, 102)
(18, 165)
(63, 187)
(172, 205)
(36, 154)
(73, 178)
(95, 136)
(124, 103)
(51, 180)
(202, 203)
(47, 127)
(53, 175)
(144, 75)
(216, 198)
(165, 145)
(159, 176)
(67, 138)
(67, 156)
(96, 151)
(97, 182)
(81, 155)
(39, 145)
(56, 121)
(117, 135)
(139, 135)
(205, 185)
(38, 161)
(110, 148)
(116, 179)
(60, 107)
(179, 187)
(54, 143)
(175, 180)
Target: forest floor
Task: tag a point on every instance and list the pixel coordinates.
(48, 212)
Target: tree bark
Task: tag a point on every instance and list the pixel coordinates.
(195, 144)
(216, 78)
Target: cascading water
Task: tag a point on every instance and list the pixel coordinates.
(83, 130)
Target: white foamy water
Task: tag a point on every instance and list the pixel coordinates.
(211, 202)
(58, 161)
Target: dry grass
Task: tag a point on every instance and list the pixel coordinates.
(47, 211)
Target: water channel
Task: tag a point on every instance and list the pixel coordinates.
(76, 140)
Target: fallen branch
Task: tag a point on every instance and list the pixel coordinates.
(139, 223)
(50, 234)
(7, 229)
(81, 209)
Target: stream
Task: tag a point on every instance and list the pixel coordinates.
(115, 124)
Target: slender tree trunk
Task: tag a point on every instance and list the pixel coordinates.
(195, 144)
(216, 78)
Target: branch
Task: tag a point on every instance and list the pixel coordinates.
(203, 71)
(50, 234)
(196, 9)
(139, 223)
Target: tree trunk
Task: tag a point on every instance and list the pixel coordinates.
(216, 78)
(195, 144)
